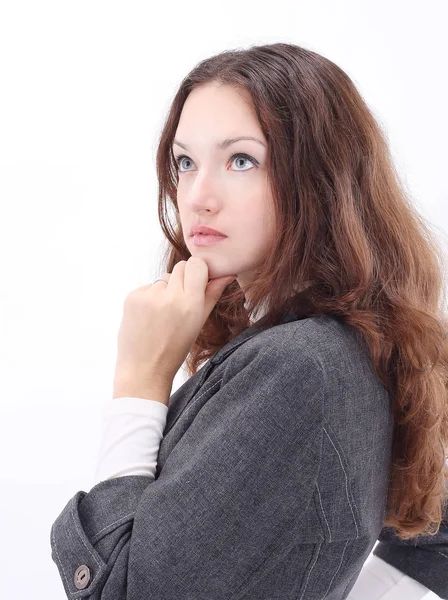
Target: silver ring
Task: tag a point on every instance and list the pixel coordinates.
(159, 279)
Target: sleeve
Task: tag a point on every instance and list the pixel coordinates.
(380, 581)
(132, 429)
(228, 501)
(424, 558)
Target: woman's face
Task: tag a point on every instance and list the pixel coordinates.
(231, 195)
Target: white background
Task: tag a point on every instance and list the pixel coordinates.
(84, 90)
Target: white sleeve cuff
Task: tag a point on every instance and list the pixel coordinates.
(132, 430)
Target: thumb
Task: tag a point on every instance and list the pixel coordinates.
(214, 291)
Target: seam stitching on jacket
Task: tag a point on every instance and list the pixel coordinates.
(185, 410)
(346, 482)
(110, 525)
(323, 512)
(309, 572)
(337, 571)
(209, 388)
(191, 403)
(350, 489)
(60, 561)
(94, 557)
(82, 540)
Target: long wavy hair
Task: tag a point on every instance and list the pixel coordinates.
(345, 223)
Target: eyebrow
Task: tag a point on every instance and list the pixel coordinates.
(225, 143)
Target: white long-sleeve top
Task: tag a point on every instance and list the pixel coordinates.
(132, 429)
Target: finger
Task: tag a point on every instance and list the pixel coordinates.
(148, 286)
(195, 276)
(214, 291)
(176, 283)
(165, 276)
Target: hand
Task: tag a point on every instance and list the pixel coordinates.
(162, 321)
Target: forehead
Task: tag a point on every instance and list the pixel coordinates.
(216, 112)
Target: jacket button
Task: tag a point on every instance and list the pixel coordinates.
(82, 577)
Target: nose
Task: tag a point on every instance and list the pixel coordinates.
(203, 193)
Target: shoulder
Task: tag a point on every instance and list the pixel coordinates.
(283, 360)
(323, 351)
(321, 340)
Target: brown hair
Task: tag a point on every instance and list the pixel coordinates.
(344, 222)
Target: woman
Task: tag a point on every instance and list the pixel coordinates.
(314, 419)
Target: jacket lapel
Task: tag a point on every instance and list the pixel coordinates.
(180, 399)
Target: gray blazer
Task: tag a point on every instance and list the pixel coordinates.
(271, 483)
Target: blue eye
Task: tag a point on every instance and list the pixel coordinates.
(242, 155)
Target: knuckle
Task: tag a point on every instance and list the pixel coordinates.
(130, 298)
(189, 307)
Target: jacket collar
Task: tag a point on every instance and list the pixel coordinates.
(251, 331)
(243, 337)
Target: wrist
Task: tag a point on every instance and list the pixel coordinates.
(150, 389)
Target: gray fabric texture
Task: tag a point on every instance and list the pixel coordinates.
(271, 483)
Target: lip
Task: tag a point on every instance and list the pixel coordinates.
(205, 230)
(200, 239)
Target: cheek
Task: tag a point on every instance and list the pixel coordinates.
(254, 218)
